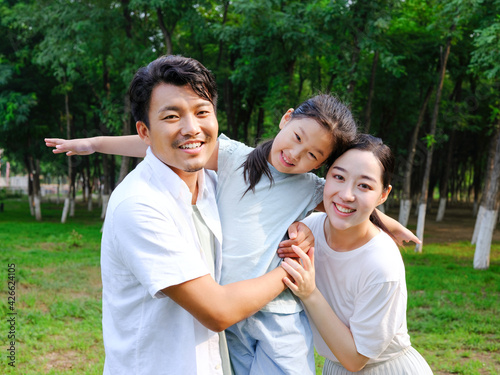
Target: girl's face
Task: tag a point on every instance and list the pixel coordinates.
(353, 189)
(301, 146)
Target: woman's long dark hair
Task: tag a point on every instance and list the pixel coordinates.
(384, 155)
(328, 111)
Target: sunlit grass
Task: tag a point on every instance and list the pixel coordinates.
(58, 291)
(453, 310)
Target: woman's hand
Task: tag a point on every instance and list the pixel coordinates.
(302, 271)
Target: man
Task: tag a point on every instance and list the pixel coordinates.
(161, 300)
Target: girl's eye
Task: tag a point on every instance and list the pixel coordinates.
(315, 158)
(365, 187)
(338, 177)
(297, 136)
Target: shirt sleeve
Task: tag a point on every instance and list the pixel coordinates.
(378, 314)
(318, 190)
(227, 148)
(152, 246)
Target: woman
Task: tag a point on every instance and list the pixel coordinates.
(353, 285)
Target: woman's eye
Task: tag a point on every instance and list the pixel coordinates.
(365, 186)
(297, 136)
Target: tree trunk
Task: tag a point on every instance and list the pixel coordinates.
(368, 109)
(443, 191)
(489, 205)
(70, 161)
(167, 34)
(221, 43)
(428, 163)
(106, 187)
(405, 205)
(34, 187)
(126, 130)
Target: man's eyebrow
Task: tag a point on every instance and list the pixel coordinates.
(304, 135)
(176, 108)
(365, 177)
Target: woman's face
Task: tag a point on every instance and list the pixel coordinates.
(353, 189)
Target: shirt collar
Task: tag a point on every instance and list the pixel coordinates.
(171, 181)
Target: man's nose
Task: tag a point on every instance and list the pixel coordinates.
(190, 125)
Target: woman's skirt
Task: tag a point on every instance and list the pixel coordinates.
(410, 362)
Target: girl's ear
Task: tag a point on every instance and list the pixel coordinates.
(385, 194)
(143, 132)
(286, 118)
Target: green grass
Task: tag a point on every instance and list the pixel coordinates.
(453, 310)
(57, 291)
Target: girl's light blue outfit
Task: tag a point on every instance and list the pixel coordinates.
(278, 339)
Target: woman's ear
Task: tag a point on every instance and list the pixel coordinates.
(143, 132)
(286, 118)
(385, 194)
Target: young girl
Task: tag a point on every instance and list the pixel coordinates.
(260, 192)
(353, 283)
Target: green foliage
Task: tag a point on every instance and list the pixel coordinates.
(267, 56)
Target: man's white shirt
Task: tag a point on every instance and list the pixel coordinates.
(150, 243)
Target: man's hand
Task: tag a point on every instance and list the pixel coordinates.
(300, 235)
(83, 146)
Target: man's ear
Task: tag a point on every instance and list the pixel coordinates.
(143, 132)
(286, 118)
(385, 194)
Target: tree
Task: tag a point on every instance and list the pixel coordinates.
(485, 62)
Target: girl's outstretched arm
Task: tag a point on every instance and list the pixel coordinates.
(401, 233)
(336, 334)
(128, 145)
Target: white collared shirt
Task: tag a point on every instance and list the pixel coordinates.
(150, 243)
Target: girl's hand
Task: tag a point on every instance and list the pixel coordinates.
(300, 235)
(302, 272)
(403, 235)
(82, 146)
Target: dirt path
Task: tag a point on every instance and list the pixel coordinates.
(457, 225)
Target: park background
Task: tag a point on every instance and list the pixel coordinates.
(422, 75)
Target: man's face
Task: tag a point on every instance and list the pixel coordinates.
(182, 128)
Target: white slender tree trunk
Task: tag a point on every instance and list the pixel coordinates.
(441, 210)
(38, 208)
(483, 246)
(490, 202)
(404, 211)
(420, 226)
(105, 199)
(65, 210)
(31, 201)
(477, 226)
